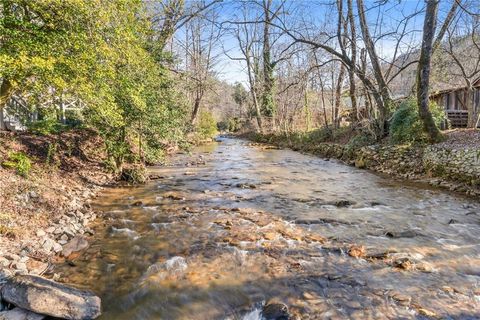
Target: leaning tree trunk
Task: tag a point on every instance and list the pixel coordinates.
(196, 109)
(423, 71)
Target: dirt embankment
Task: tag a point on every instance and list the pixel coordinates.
(44, 204)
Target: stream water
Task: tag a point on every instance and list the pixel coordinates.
(235, 226)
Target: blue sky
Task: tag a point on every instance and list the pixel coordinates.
(385, 17)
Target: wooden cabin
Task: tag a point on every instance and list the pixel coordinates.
(454, 102)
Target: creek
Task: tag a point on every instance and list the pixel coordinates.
(234, 226)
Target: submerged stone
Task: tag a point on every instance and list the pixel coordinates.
(275, 311)
(344, 203)
(78, 243)
(402, 234)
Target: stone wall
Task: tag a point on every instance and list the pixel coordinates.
(456, 164)
(402, 161)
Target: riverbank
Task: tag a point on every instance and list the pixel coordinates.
(47, 184)
(453, 164)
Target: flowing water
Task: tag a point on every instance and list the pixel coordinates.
(235, 226)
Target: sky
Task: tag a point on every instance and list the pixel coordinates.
(385, 18)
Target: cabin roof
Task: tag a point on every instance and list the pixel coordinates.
(475, 84)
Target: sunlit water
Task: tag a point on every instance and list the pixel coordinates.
(184, 254)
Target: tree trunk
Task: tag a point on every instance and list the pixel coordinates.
(252, 83)
(338, 96)
(258, 113)
(470, 103)
(322, 92)
(307, 111)
(423, 71)
(351, 72)
(268, 103)
(196, 108)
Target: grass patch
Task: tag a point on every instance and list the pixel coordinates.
(20, 162)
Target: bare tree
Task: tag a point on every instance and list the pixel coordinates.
(171, 15)
(384, 92)
(248, 39)
(201, 37)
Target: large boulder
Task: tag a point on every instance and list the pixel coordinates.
(47, 297)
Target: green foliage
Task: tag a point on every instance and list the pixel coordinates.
(268, 104)
(320, 135)
(230, 125)
(207, 126)
(325, 134)
(48, 123)
(154, 154)
(45, 43)
(356, 142)
(46, 127)
(20, 162)
(138, 106)
(223, 125)
(52, 154)
(240, 95)
(406, 125)
(104, 53)
(360, 140)
(74, 118)
(134, 174)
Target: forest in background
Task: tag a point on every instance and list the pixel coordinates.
(147, 75)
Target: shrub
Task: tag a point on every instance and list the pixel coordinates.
(356, 142)
(320, 135)
(231, 124)
(406, 125)
(223, 125)
(52, 155)
(45, 127)
(360, 140)
(207, 126)
(136, 174)
(74, 118)
(20, 162)
(153, 155)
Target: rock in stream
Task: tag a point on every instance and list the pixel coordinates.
(47, 297)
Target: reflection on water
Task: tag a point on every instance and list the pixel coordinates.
(234, 226)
